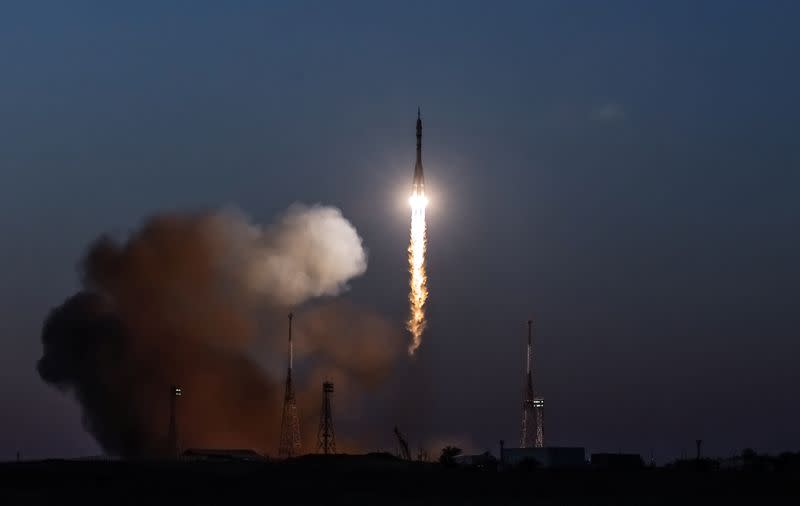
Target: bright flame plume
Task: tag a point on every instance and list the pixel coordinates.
(418, 293)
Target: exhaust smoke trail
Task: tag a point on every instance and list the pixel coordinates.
(416, 267)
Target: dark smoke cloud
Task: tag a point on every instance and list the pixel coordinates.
(199, 300)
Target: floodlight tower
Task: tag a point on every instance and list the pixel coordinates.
(326, 434)
(290, 424)
(532, 406)
(172, 435)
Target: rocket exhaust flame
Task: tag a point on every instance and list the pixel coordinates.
(418, 293)
(416, 267)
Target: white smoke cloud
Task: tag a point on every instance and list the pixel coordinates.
(309, 252)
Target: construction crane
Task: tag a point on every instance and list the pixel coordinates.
(404, 451)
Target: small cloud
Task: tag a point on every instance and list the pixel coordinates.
(609, 112)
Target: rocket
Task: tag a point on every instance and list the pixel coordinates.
(418, 186)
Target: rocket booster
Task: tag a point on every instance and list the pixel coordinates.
(418, 186)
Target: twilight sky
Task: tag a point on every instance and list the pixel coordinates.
(625, 173)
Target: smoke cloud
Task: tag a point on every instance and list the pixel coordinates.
(310, 252)
(199, 300)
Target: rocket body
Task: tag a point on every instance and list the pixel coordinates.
(418, 185)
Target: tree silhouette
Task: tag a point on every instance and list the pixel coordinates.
(449, 454)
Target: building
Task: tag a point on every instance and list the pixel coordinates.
(625, 461)
(550, 457)
(484, 460)
(215, 455)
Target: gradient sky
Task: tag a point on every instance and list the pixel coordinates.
(627, 173)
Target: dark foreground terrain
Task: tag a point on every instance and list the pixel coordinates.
(375, 481)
